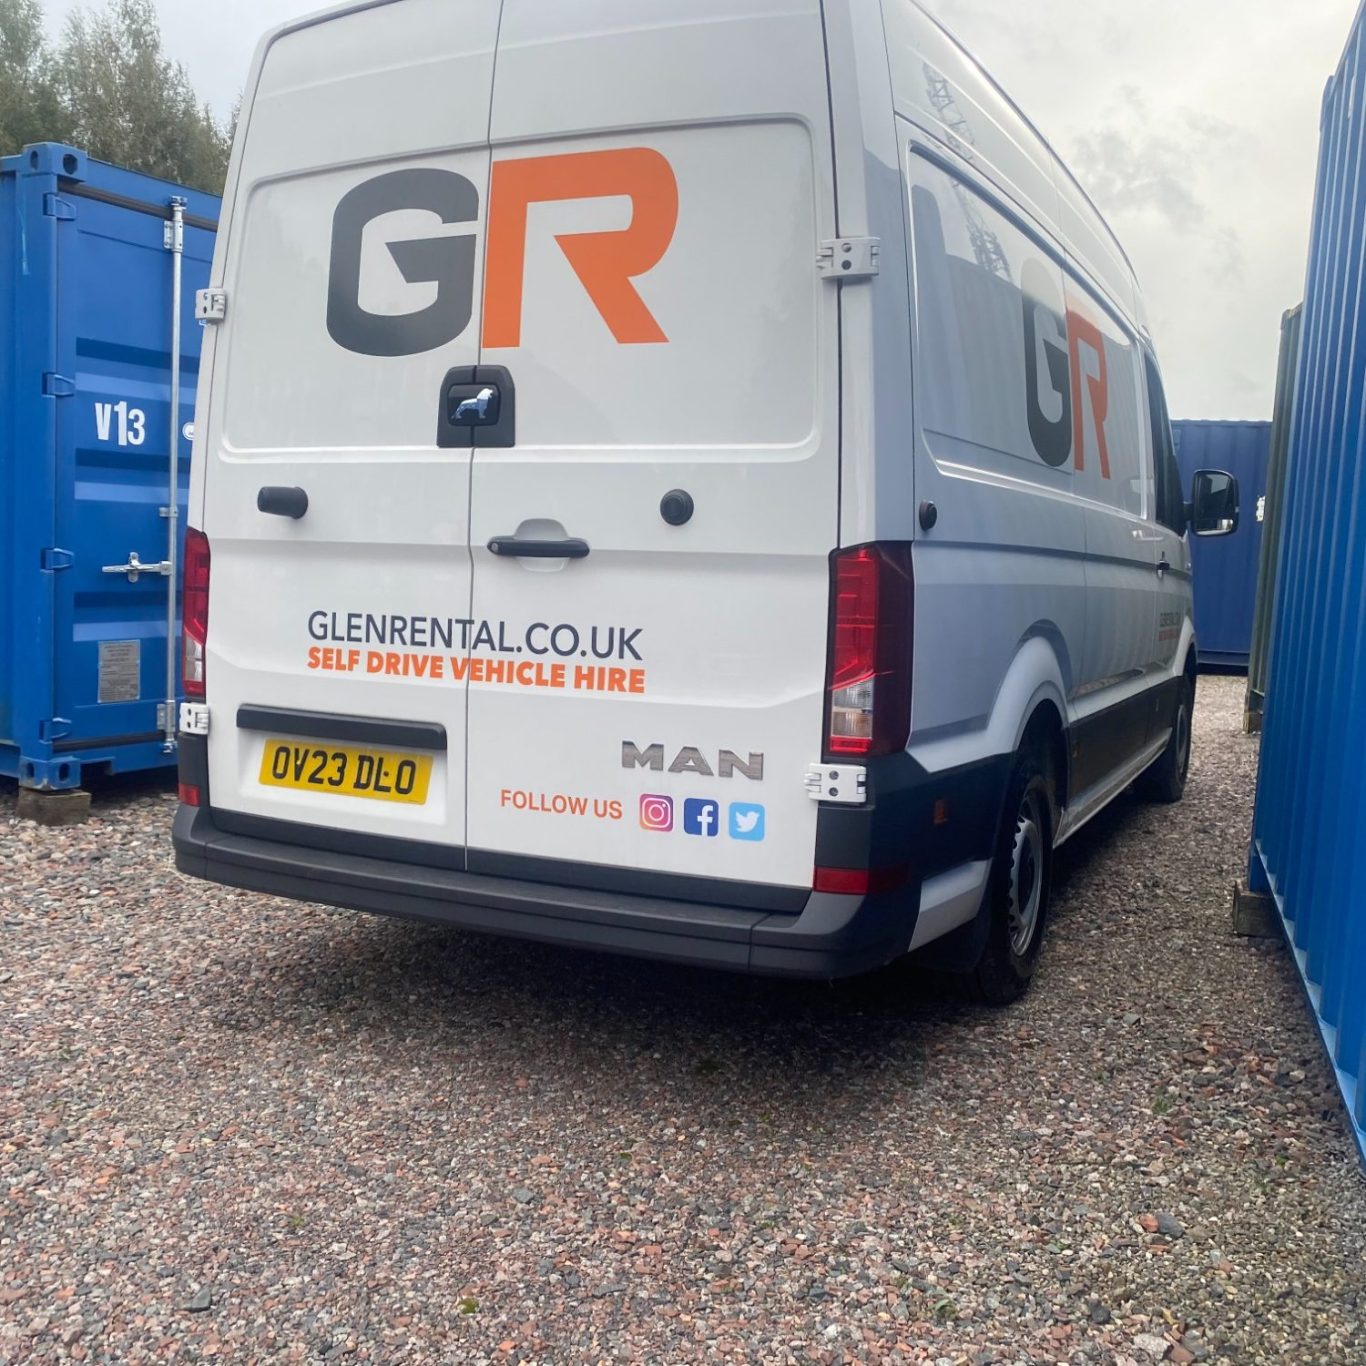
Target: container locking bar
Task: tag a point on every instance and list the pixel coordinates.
(135, 567)
(173, 238)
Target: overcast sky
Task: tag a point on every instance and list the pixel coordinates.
(1192, 123)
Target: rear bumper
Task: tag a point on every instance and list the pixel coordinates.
(832, 936)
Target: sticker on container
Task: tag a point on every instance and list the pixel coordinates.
(120, 671)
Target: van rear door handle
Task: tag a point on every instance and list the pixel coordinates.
(1162, 566)
(282, 502)
(514, 547)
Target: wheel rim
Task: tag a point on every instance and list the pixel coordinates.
(1183, 741)
(1026, 876)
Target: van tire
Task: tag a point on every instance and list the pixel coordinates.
(1018, 887)
(1165, 780)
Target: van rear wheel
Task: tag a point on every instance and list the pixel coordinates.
(1165, 781)
(1018, 888)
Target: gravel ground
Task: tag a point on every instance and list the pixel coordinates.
(241, 1128)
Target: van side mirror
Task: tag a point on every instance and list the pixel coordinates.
(1213, 507)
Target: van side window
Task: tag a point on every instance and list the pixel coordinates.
(1171, 505)
(993, 385)
(1022, 372)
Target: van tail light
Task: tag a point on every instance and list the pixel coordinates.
(868, 682)
(195, 612)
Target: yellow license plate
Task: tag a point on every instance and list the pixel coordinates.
(380, 774)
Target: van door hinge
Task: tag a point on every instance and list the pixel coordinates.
(57, 386)
(846, 784)
(211, 305)
(53, 558)
(849, 258)
(48, 731)
(54, 206)
(194, 718)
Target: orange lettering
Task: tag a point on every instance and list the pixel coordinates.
(1081, 329)
(605, 262)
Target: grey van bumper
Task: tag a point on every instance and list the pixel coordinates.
(831, 936)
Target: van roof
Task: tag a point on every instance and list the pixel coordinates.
(1067, 186)
(1048, 148)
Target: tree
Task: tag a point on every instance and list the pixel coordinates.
(30, 108)
(110, 89)
(128, 103)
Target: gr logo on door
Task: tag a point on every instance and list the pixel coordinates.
(441, 267)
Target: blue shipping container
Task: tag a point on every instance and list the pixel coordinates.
(1309, 831)
(89, 256)
(1225, 567)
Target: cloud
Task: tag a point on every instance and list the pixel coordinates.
(1126, 172)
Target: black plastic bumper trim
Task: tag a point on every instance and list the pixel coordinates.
(361, 730)
(834, 936)
(595, 877)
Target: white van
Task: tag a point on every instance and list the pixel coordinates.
(678, 479)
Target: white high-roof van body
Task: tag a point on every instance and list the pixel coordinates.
(679, 477)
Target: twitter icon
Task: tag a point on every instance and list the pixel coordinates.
(746, 821)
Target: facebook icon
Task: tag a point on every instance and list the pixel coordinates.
(701, 817)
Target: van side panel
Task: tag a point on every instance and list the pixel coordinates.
(1002, 565)
(1031, 419)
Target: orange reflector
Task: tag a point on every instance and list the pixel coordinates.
(189, 794)
(941, 812)
(859, 881)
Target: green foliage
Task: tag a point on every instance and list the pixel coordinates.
(30, 108)
(109, 88)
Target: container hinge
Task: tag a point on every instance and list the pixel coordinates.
(173, 229)
(194, 718)
(57, 386)
(846, 784)
(53, 558)
(54, 206)
(48, 731)
(211, 305)
(849, 258)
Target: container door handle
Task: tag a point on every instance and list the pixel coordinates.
(1162, 566)
(514, 547)
(135, 567)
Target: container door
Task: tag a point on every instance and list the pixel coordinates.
(651, 575)
(113, 462)
(337, 638)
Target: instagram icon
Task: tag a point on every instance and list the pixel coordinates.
(657, 813)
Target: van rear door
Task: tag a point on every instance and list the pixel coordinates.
(353, 282)
(651, 550)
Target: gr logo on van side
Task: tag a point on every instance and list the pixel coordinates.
(689, 760)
